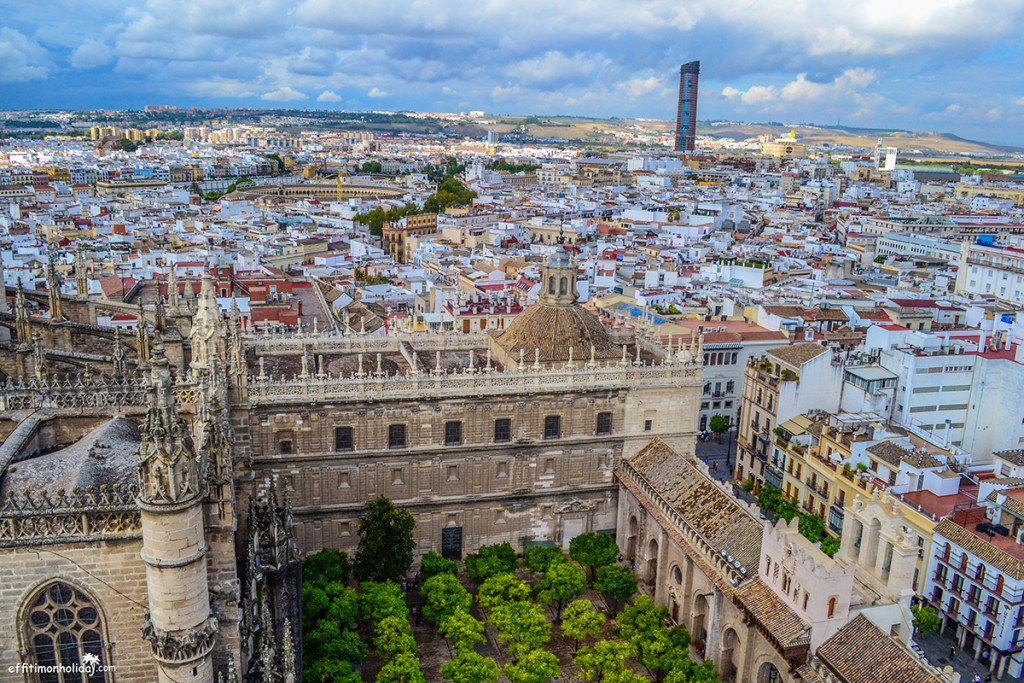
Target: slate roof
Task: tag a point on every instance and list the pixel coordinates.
(862, 653)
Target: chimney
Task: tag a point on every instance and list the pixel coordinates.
(945, 439)
(300, 307)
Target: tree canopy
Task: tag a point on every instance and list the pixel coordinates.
(592, 551)
(433, 564)
(386, 544)
(405, 668)
(470, 667)
(378, 601)
(327, 566)
(538, 558)
(501, 588)
(535, 666)
(442, 595)
(393, 637)
(926, 619)
(618, 583)
(491, 560)
(719, 424)
(606, 661)
(582, 621)
(462, 629)
(561, 583)
(522, 625)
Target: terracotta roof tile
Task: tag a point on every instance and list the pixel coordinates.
(775, 615)
(862, 653)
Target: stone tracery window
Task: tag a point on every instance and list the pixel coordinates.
(64, 630)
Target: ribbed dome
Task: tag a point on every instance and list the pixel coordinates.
(554, 329)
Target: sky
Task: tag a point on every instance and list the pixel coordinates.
(945, 65)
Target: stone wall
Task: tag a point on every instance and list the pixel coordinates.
(111, 572)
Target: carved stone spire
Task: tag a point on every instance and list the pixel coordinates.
(169, 467)
(287, 654)
(53, 290)
(142, 336)
(120, 364)
(208, 330)
(81, 274)
(173, 296)
(21, 320)
(38, 357)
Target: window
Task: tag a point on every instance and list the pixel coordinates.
(396, 436)
(549, 466)
(452, 433)
(284, 446)
(552, 426)
(343, 439)
(831, 607)
(396, 477)
(604, 423)
(730, 387)
(648, 425)
(64, 627)
(453, 472)
(502, 430)
(502, 472)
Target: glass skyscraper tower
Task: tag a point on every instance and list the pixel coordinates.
(686, 115)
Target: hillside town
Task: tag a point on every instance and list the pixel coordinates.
(847, 325)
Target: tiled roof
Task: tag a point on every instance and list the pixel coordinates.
(861, 653)
(893, 454)
(798, 354)
(715, 516)
(989, 553)
(1015, 457)
(773, 614)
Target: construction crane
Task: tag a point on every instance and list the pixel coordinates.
(340, 183)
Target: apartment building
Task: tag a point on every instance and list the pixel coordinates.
(991, 270)
(783, 383)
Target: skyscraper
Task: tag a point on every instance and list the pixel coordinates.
(686, 116)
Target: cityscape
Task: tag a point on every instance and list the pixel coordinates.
(708, 391)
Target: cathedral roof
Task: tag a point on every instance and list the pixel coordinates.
(554, 329)
(106, 455)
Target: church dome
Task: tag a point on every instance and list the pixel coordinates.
(554, 329)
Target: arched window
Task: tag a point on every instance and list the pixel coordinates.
(677, 576)
(63, 629)
(831, 607)
(563, 286)
(551, 285)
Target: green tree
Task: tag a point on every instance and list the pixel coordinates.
(392, 637)
(830, 546)
(811, 527)
(719, 424)
(522, 625)
(617, 583)
(378, 601)
(127, 145)
(770, 498)
(386, 544)
(405, 668)
(592, 551)
(538, 558)
(926, 619)
(327, 566)
(442, 595)
(535, 666)
(333, 602)
(462, 629)
(692, 672)
(329, 653)
(276, 157)
(562, 582)
(491, 560)
(663, 650)
(470, 667)
(640, 621)
(582, 621)
(433, 564)
(371, 167)
(605, 661)
(500, 589)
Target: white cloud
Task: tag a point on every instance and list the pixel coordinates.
(91, 54)
(754, 95)
(328, 96)
(552, 68)
(1019, 101)
(638, 87)
(376, 92)
(283, 94)
(21, 58)
(847, 83)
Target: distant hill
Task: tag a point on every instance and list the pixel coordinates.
(908, 142)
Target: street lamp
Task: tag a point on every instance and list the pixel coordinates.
(728, 448)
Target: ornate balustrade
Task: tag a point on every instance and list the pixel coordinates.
(32, 518)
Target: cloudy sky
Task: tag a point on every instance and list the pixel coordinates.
(948, 65)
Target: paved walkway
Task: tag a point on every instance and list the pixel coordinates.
(714, 453)
(936, 650)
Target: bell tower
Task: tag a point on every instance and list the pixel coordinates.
(172, 485)
(558, 279)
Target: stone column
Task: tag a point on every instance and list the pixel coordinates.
(712, 648)
(171, 491)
